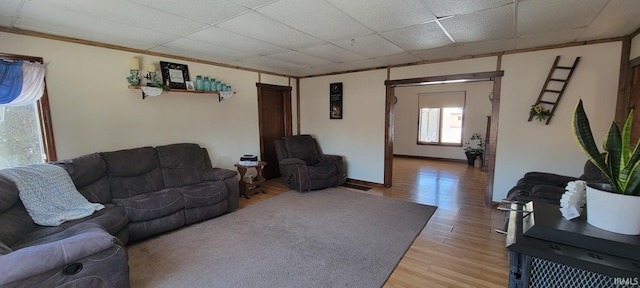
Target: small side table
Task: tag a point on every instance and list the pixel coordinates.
(249, 188)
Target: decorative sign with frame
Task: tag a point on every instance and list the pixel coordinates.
(175, 74)
(335, 100)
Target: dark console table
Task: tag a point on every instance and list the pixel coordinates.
(545, 250)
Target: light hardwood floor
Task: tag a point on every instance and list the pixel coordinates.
(457, 247)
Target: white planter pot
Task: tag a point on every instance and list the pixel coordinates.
(612, 211)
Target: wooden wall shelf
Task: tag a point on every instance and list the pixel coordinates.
(181, 91)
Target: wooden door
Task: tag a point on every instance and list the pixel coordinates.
(274, 109)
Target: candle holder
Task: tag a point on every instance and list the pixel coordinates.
(152, 77)
(134, 78)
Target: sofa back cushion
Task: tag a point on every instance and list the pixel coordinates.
(133, 171)
(15, 222)
(302, 147)
(89, 174)
(182, 164)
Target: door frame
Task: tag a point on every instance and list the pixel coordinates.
(286, 100)
(495, 76)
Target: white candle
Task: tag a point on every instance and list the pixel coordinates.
(134, 64)
(151, 68)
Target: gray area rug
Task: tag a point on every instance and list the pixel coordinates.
(326, 238)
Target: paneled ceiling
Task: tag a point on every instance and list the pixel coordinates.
(311, 37)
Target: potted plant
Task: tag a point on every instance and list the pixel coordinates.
(474, 148)
(613, 206)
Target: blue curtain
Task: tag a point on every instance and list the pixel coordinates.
(21, 83)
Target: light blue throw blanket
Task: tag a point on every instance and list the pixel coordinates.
(49, 195)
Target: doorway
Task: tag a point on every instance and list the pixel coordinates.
(495, 76)
(274, 117)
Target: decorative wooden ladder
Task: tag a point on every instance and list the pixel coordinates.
(563, 80)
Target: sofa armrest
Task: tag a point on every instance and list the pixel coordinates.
(33, 260)
(542, 178)
(218, 174)
(292, 161)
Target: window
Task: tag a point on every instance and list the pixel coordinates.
(440, 118)
(25, 131)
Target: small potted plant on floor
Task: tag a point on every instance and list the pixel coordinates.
(613, 206)
(474, 148)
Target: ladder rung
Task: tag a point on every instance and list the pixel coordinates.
(548, 102)
(564, 67)
(559, 80)
(554, 91)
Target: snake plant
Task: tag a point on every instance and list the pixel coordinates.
(620, 162)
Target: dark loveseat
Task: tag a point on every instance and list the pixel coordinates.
(549, 187)
(304, 167)
(145, 191)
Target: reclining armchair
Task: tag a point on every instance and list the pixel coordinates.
(303, 167)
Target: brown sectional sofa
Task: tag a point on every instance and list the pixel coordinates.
(145, 191)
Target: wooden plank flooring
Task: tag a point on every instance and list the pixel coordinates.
(458, 247)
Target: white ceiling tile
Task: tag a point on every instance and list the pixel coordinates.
(9, 7)
(385, 15)
(125, 12)
(223, 38)
(205, 11)
(402, 58)
(549, 38)
(483, 47)
(610, 29)
(64, 22)
(617, 11)
(6, 21)
(551, 15)
(363, 64)
(210, 50)
(459, 7)
(332, 53)
(489, 24)
(260, 27)
(85, 35)
(271, 64)
(439, 53)
(300, 59)
(418, 37)
(370, 46)
(323, 20)
(252, 4)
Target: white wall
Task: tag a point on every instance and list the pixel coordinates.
(93, 110)
(359, 136)
(477, 108)
(532, 146)
(635, 47)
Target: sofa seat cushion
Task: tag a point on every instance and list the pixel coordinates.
(133, 172)
(152, 205)
(322, 171)
(112, 219)
(204, 194)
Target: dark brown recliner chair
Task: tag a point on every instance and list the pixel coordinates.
(303, 167)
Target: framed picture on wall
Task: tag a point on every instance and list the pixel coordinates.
(175, 75)
(335, 100)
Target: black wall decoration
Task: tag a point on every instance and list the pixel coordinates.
(174, 75)
(335, 100)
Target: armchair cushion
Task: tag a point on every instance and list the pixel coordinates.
(302, 147)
